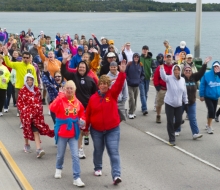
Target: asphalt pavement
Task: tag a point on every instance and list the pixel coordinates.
(147, 162)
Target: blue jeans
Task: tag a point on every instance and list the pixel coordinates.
(192, 119)
(144, 87)
(61, 148)
(110, 139)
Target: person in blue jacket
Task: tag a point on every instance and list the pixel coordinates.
(209, 92)
(182, 47)
(74, 62)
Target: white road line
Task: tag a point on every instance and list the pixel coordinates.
(184, 151)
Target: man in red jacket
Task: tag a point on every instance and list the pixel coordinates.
(160, 85)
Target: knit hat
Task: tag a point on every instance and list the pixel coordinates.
(187, 66)
(111, 42)
(113, 63)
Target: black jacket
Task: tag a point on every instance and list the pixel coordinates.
(85, 86)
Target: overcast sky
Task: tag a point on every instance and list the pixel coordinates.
(190, 1)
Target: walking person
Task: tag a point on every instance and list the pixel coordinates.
(134, 75)
(148, 64)
(69, 111)
(209, 91)
(105, 131)
(175, 96)
(191, 80)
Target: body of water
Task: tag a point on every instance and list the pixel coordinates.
(137, 28)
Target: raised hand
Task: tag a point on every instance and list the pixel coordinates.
(65, 55)
(94, 50)
(93, 35)
(123, 48)
(5, 50)
(207, 59)
(123, 66)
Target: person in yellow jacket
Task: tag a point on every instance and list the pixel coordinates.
(4, 79)
(22, 68)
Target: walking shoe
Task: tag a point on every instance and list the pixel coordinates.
(1, 114)
(186, 117)
(171, 143)
(98, 173)
(216, 118)
(78, 182)
(81, 154)
(18, 114)
(158, 120)
(117, 180)
(206, 127)
(134, 115)
(21, 126)
(130, 116)
(15, 105)
(209, 130)
(44, 102)
(58, 173)
(27, 148)
(5, 110)
(40, 153)
(48, 112)
(145, 112)
(177, 134)
(196, 136)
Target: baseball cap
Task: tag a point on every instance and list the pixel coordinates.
(111, 42)
(145, 47)
(110, 54)
(102, 38)
(169, 54)
(113, 63)
(65, 42)
(189, 55)
(216, 64)
(182, 44)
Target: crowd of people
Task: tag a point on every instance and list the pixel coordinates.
(83, 80)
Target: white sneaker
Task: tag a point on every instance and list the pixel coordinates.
(49, 113)
(209, 130)
(5, 110)
(117, 180)
(134, 115)
(196, 136)
(130, 116)
(21, 126)
(78, 182)
(98, 173)
(81, 154)
(177, 134)
(58, 174)
(1, 114)
(18, 114)
(206, 127)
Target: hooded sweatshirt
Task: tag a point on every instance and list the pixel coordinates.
(74, 62)
(123, 96)
(85, 85)
(176, 88)
(4, 74)
(103, 47)
(129, 54)
(134, 73)
(210, 85)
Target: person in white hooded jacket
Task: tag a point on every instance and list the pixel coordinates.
(175, 96)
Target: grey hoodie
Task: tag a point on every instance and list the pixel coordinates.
(123, 96)
(176, 88)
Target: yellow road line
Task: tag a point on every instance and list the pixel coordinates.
(15, 169)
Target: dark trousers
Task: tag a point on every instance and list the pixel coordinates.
(2, 98)
(53, 116)
(10, 92)
(171, 113)
(218, 112)
(211, 106)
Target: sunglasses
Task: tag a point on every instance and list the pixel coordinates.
(188, 71)
(57, 77)
(26, 57)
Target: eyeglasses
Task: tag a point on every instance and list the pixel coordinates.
(26, 57)
(188, 71)
(57, 77)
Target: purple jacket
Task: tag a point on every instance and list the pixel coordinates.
(2, 37)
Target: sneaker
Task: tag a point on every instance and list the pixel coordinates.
(171, 143)
(177, 134)
(18, 114)
(44, 102)
(58, 174)
(98, 173)
(117, 180)
(134, 115)
(209, 130)
(158, 120)
(216, 118)
(21, 126)
(206, 127)
(130, 116)
(15, 105)
(81, 154)
(196, 136)
(5, 110)
(40, 153)
(49, 113)
(1, 114)
(186, 117)
(78, 182)
(145, 112)
(27, 148)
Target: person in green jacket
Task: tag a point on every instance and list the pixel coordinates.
(4, 79)
(149, 68)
